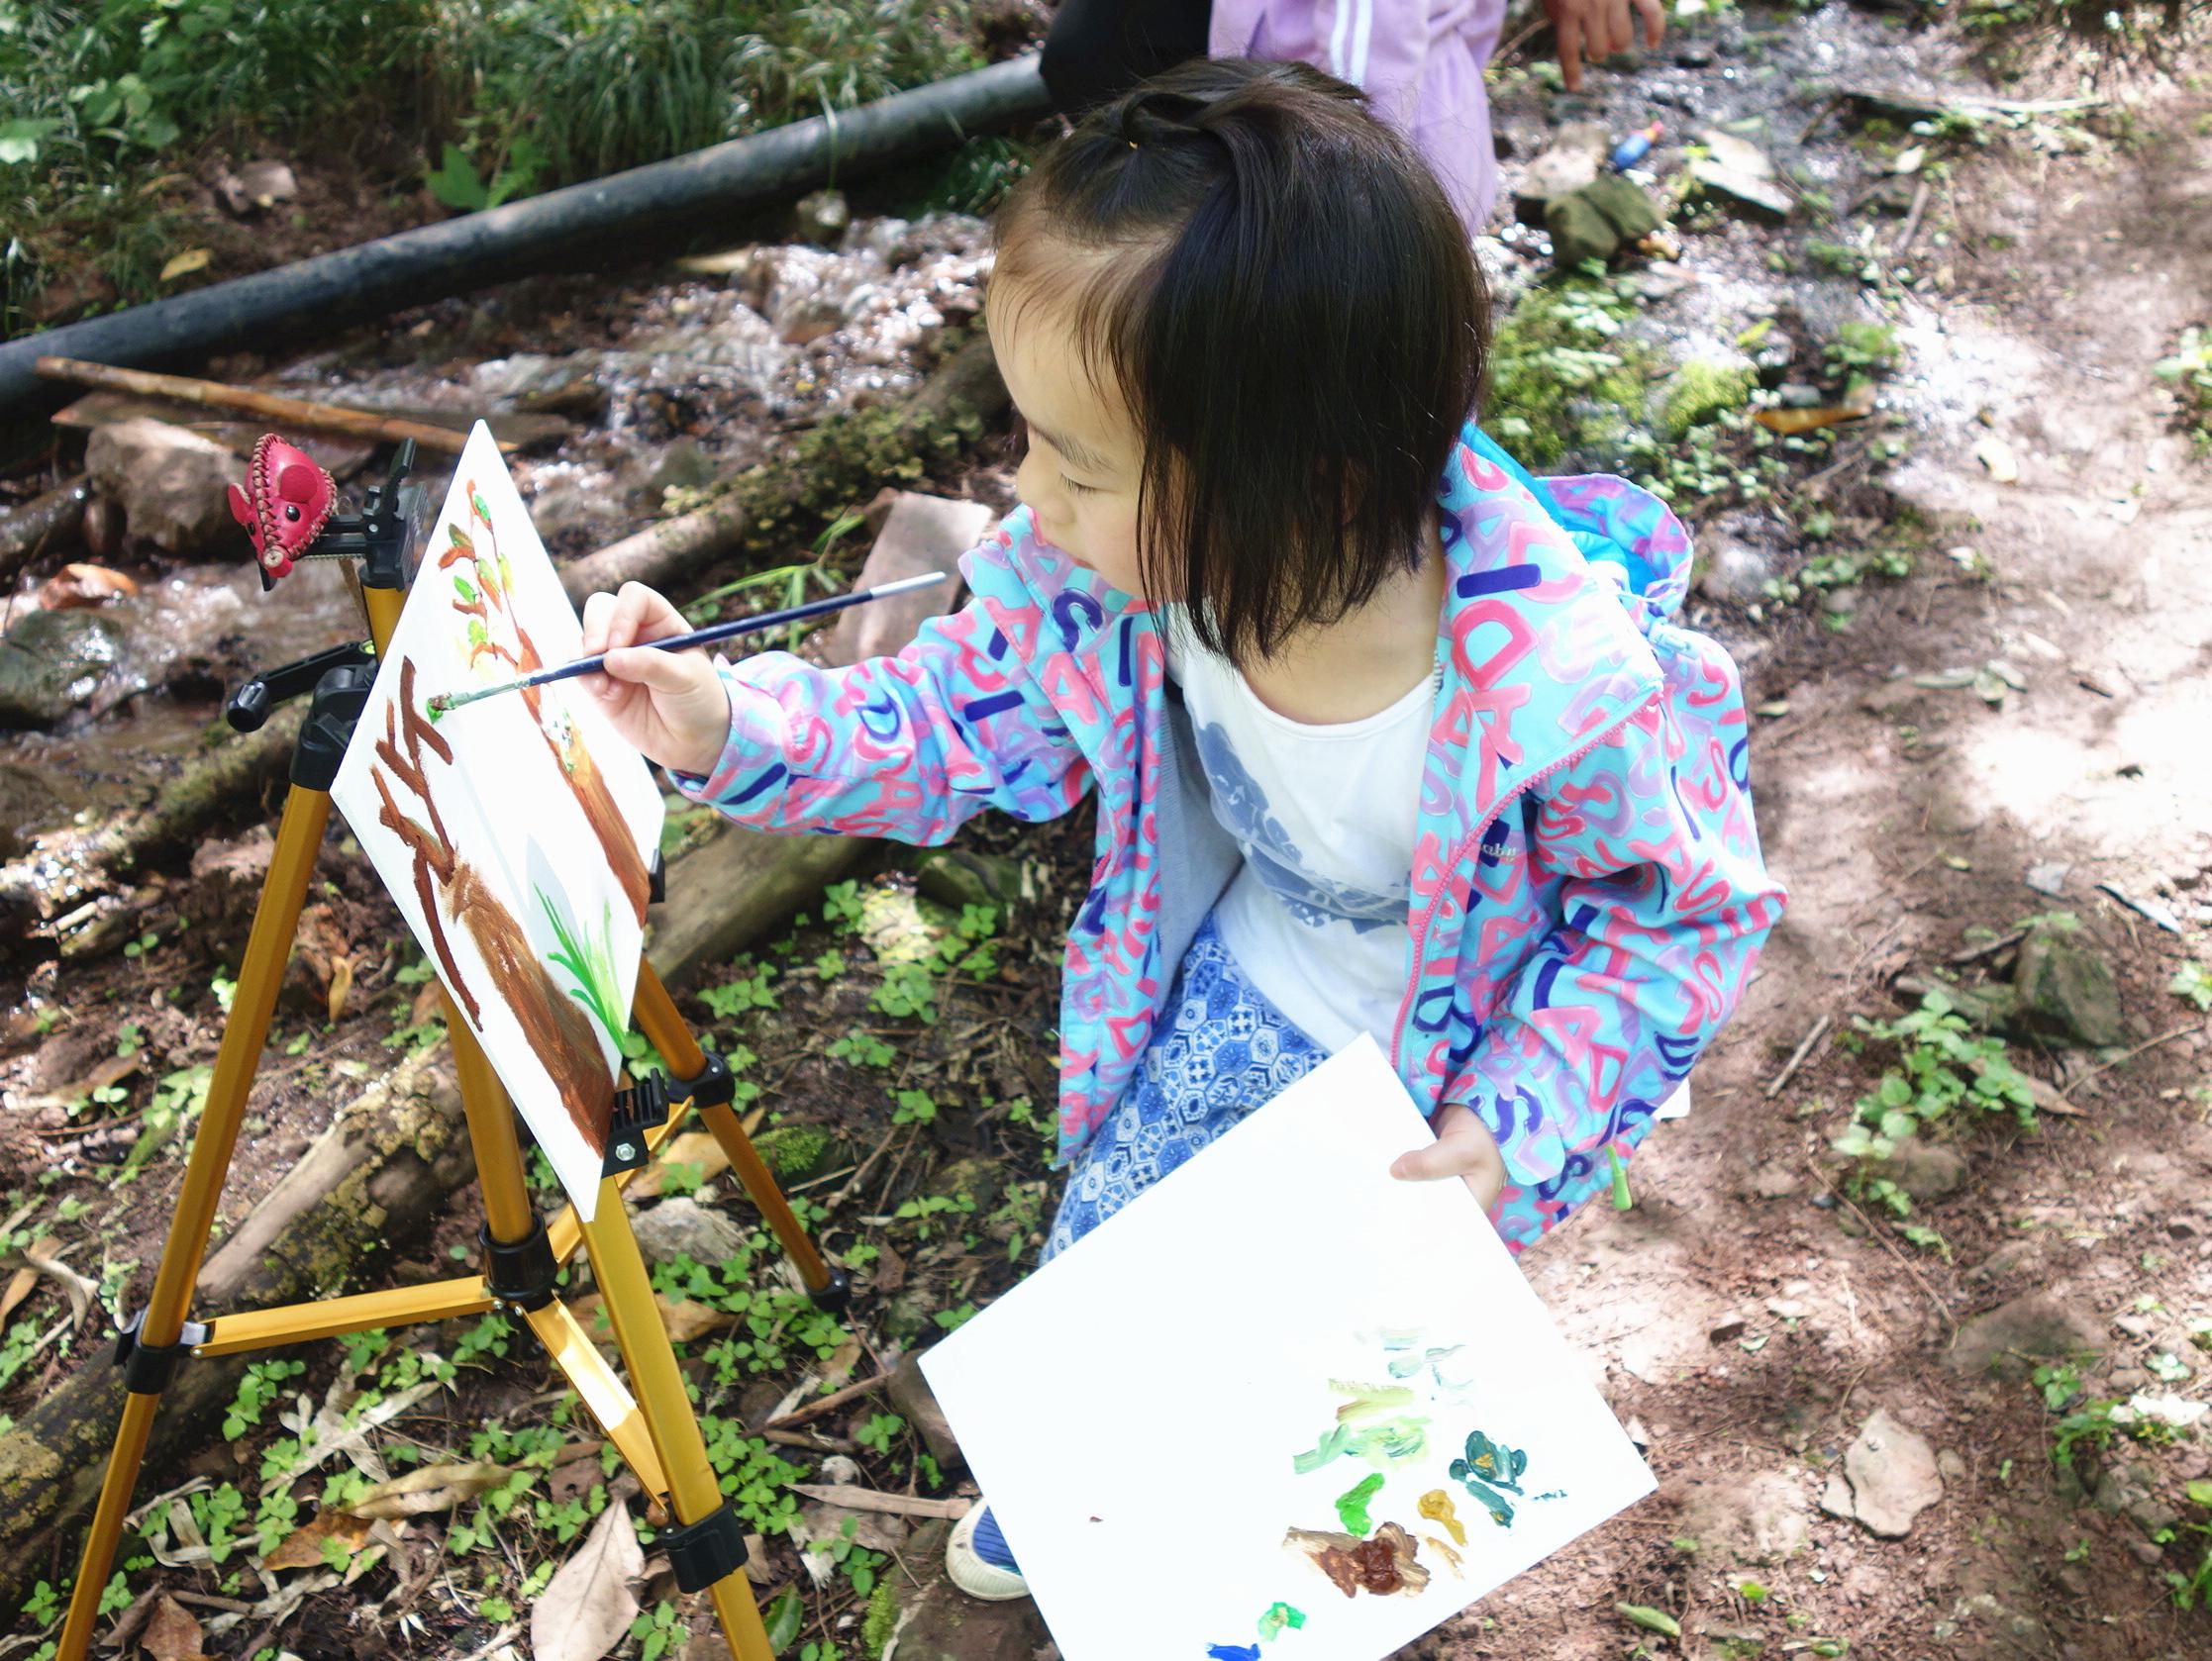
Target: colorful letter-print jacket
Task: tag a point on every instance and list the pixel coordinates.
(1588, 894)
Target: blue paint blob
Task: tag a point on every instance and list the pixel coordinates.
(1232, 1652)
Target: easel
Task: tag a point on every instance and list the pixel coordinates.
(655, 1430)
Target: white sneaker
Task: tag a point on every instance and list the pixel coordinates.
(968, 1571)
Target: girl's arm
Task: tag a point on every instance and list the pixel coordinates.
(908, 747)
(1663, 903)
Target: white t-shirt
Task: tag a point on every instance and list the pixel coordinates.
(1326, 817)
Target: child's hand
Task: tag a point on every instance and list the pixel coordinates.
(670, 704)
(1465, 1149)
(1595, 29)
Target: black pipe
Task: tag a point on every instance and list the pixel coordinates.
(458, 254)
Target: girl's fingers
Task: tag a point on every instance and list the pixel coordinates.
(1570, 49)
(598, 607)
(1433, 1163)
(658, 671)
(1655, 21)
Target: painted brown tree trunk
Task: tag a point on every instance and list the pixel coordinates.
(561, 1035)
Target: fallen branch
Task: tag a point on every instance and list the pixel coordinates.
(828, 1403)
(292, 412)
(38, 525)
(891, 1505)
(1797, 1056)
(843, 461)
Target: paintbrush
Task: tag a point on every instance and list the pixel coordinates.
(445, 701)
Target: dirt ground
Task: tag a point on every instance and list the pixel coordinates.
(1750, 1313)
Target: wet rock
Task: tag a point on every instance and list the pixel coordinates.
(821, 218)
(1888, 1477)
(2010, 1338)
(1578, 232)
(682, 1228)
(1799, 395)
(683, 465)
(1734, 568)
(938, 1622)
(909, 1393)
(1839, 602)
(2067, 990)
(922, 533)
(33, 799)
(1576, 154)
(51, 662)
(1728, 1329)
(169, 483)
(962, 877)
(979, 1179)
(1760, 1518)
(1925, 1170)
(1740, 174)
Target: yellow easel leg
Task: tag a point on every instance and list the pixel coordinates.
(299, 838)
(619, 1270)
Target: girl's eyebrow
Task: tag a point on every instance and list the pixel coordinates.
(1084, 458)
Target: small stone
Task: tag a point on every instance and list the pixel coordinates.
(965, 877)
(1694, 54)
(821, 218)
(1950, 1466)
(1741, 173)
(1728, 1329)
(2010, 1338)
(1925, 1170)
(1733, 569)
(1775, 1181)
(1839, 602)
(1888, 1478)
(978, 1179)
(170, 484)
(1579, 232)
(1787, 1309)
(1797, 395)
(2049, 877)
(1626, 207)
(2145, 1553)
(2068, 989)
(682, 1228)
(2126, 1380)
(2135, 1325)
(2181, 1228)
(266, 184)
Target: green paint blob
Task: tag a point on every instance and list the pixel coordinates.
(1352, 1505)
(1278, 1617)
(1333, 1442)
(437, 711)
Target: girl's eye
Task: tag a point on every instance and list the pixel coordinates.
(1079, 489)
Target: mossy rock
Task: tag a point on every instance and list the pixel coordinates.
(795, 1152)
(956, 877)
(1702, 391)
(2067, 990)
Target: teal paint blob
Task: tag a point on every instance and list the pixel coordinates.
(1278, 1617)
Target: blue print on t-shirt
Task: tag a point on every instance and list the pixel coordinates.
(1241, 808)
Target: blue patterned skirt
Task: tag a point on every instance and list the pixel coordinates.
(1219, 1050)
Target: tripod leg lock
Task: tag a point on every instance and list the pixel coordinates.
(712, 1086)
(520, 1272)
(147, 1370)
(702, 1553)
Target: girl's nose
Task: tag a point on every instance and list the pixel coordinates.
(1032, 483)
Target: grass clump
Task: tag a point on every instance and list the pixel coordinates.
(1702, 391)
(2189, 373)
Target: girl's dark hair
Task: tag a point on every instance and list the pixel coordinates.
(1287, 303)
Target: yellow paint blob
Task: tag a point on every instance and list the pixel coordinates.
(1435, 1506)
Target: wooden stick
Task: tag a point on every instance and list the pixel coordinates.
(295, 412)
(826, 1403)
(854, 1499)
(1797, 1056)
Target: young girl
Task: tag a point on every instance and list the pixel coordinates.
(1385, 734)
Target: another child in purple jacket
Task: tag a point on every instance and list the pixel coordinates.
(1384, 735)
(1420, 61)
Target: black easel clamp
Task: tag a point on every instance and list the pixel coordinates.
(702, 1553)
(712, 1086)
(520, 1272)
(638, 1111)
(146, 1371)
(834, 1295)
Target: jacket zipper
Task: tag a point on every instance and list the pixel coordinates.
(1421, 932)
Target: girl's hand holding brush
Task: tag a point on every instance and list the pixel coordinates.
(671, 704)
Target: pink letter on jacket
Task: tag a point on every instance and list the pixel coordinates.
(1420, 62)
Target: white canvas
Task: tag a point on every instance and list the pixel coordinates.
(1134, 1409)
(545, 822)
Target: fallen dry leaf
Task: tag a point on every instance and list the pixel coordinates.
(78, 587)
(185, 263)
(684, 1321)
(433, 1488)
(693, 1147)
(303, 1547)
(172, 1634)
(587, 1606)
(342, 982)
